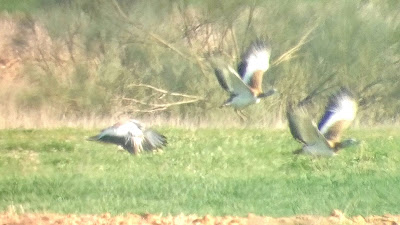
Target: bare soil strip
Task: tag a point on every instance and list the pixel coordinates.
(336, 217)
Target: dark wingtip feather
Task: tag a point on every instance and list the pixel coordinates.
(255, 46)
(221, 79)
(261, 44)
(154, 140)
(343, 92)
(242, 68)
(163, 140)
(291, 117)
(258, 45)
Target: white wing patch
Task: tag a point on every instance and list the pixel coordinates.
(345, 110)
(258, 60)
(128, 127)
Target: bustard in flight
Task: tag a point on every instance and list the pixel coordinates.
(133, 136)
(324, 140)
(245, 84)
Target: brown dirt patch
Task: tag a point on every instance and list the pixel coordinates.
(336, 217)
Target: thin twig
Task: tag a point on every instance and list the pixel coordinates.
(160, 40)
(235, 44)
(146, 110)
(161, 105)
(289, 54)
(249, 21)
(165, 91)
(153, 107)
(151, 34)
(318, 90)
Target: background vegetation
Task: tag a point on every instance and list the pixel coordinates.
(83, 58)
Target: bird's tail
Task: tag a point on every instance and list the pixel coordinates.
(228, 101)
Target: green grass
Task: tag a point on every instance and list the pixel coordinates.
(204, 171)
(20, 5)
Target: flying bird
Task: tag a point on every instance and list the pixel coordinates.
(133, 136)
(245, 84)
(324, 139)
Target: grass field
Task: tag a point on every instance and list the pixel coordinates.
(203, 171)
(12, 6)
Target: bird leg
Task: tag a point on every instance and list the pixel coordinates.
(135, 147)
(241, 115)
(135, 150)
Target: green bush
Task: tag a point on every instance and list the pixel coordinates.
(169, 45)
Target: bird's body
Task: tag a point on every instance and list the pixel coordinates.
(324, 140)
(245, 84)
(242, 101)
(132, 136)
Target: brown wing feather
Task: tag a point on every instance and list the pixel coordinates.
(334, 134)
(256, 82)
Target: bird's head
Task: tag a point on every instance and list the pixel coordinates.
(268, 93)
(346, 143)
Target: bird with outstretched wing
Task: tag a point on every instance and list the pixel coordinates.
(324, 139)
(245, 84)
(133, 136)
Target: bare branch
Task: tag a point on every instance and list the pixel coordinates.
(289, 54)
(235, 44)
(166, 105)
(159, 40)
(145, 111)
(151, 34)
(186, 25)
(151, 107)
(371, 84)
(148, 107)
(165, 91)
(318, 90)
(249, 21)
